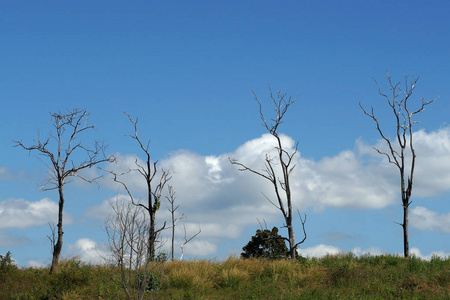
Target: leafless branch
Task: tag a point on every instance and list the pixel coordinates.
(61, 166)
(398, 103)
(303, 221)
(283, 160)
(186, 240)
(52, 236)
(148, 171)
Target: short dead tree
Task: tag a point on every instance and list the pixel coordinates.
(127, 231)
(172, 209)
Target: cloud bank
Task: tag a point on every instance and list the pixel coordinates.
(223, 201)
(425, 219)
(19, 213)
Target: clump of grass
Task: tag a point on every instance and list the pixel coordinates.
(341, 276)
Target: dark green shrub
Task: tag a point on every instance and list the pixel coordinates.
(266, 244)
(7, 263)
(151, 281)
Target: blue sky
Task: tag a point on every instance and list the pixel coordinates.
(186, 69)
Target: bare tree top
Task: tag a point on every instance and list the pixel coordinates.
(280, 105)
(398, 102)
(68, 126)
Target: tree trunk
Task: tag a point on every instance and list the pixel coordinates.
(173, 234)
(152, 237)
(405, 229)
(58, 246)
(291, 233)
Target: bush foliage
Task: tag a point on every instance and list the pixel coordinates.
(265, 244)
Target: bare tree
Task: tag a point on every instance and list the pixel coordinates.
(401, 153)
(283, 159)
(187, 240)
(68, 127)
(154, 190)
(127, 230)
(172, 209)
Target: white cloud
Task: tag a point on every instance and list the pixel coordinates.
(19, 213)
(323, 250)
(319, 251)
(425, 219)
(370, 251)
(418, 253)
(432, 176)
(223, 201)
(342, 181)
(102, 211)
(126, 166)
(228, 231)
(198, 248)
(35, 263)
(87, 250)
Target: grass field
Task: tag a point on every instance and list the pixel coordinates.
(331, 277)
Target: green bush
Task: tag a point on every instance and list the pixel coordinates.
(265, 244)
(7, 263)
(151, 281)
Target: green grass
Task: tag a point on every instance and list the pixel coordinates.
(331, 277)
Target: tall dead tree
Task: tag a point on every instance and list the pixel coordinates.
(283, 160)
(68, 127)
(154, 190)
(401, 152)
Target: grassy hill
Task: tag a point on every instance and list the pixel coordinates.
(331, 277)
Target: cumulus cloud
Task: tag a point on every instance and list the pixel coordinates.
(35, 263)
(223, 201)
(87, 250)
(425, 219)
(198, 248)
(19, 213)
(418, 253)
(432, 176)
(343, 181)
(355, 179)
(369, 251)
(322, 250)
(102, 211)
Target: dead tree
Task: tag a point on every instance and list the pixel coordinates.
(154, 190)
(172, 209)
(127, 231)
(187, 240)
(283, 159)
(401, 152)
(68, 127)
(171, 198)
